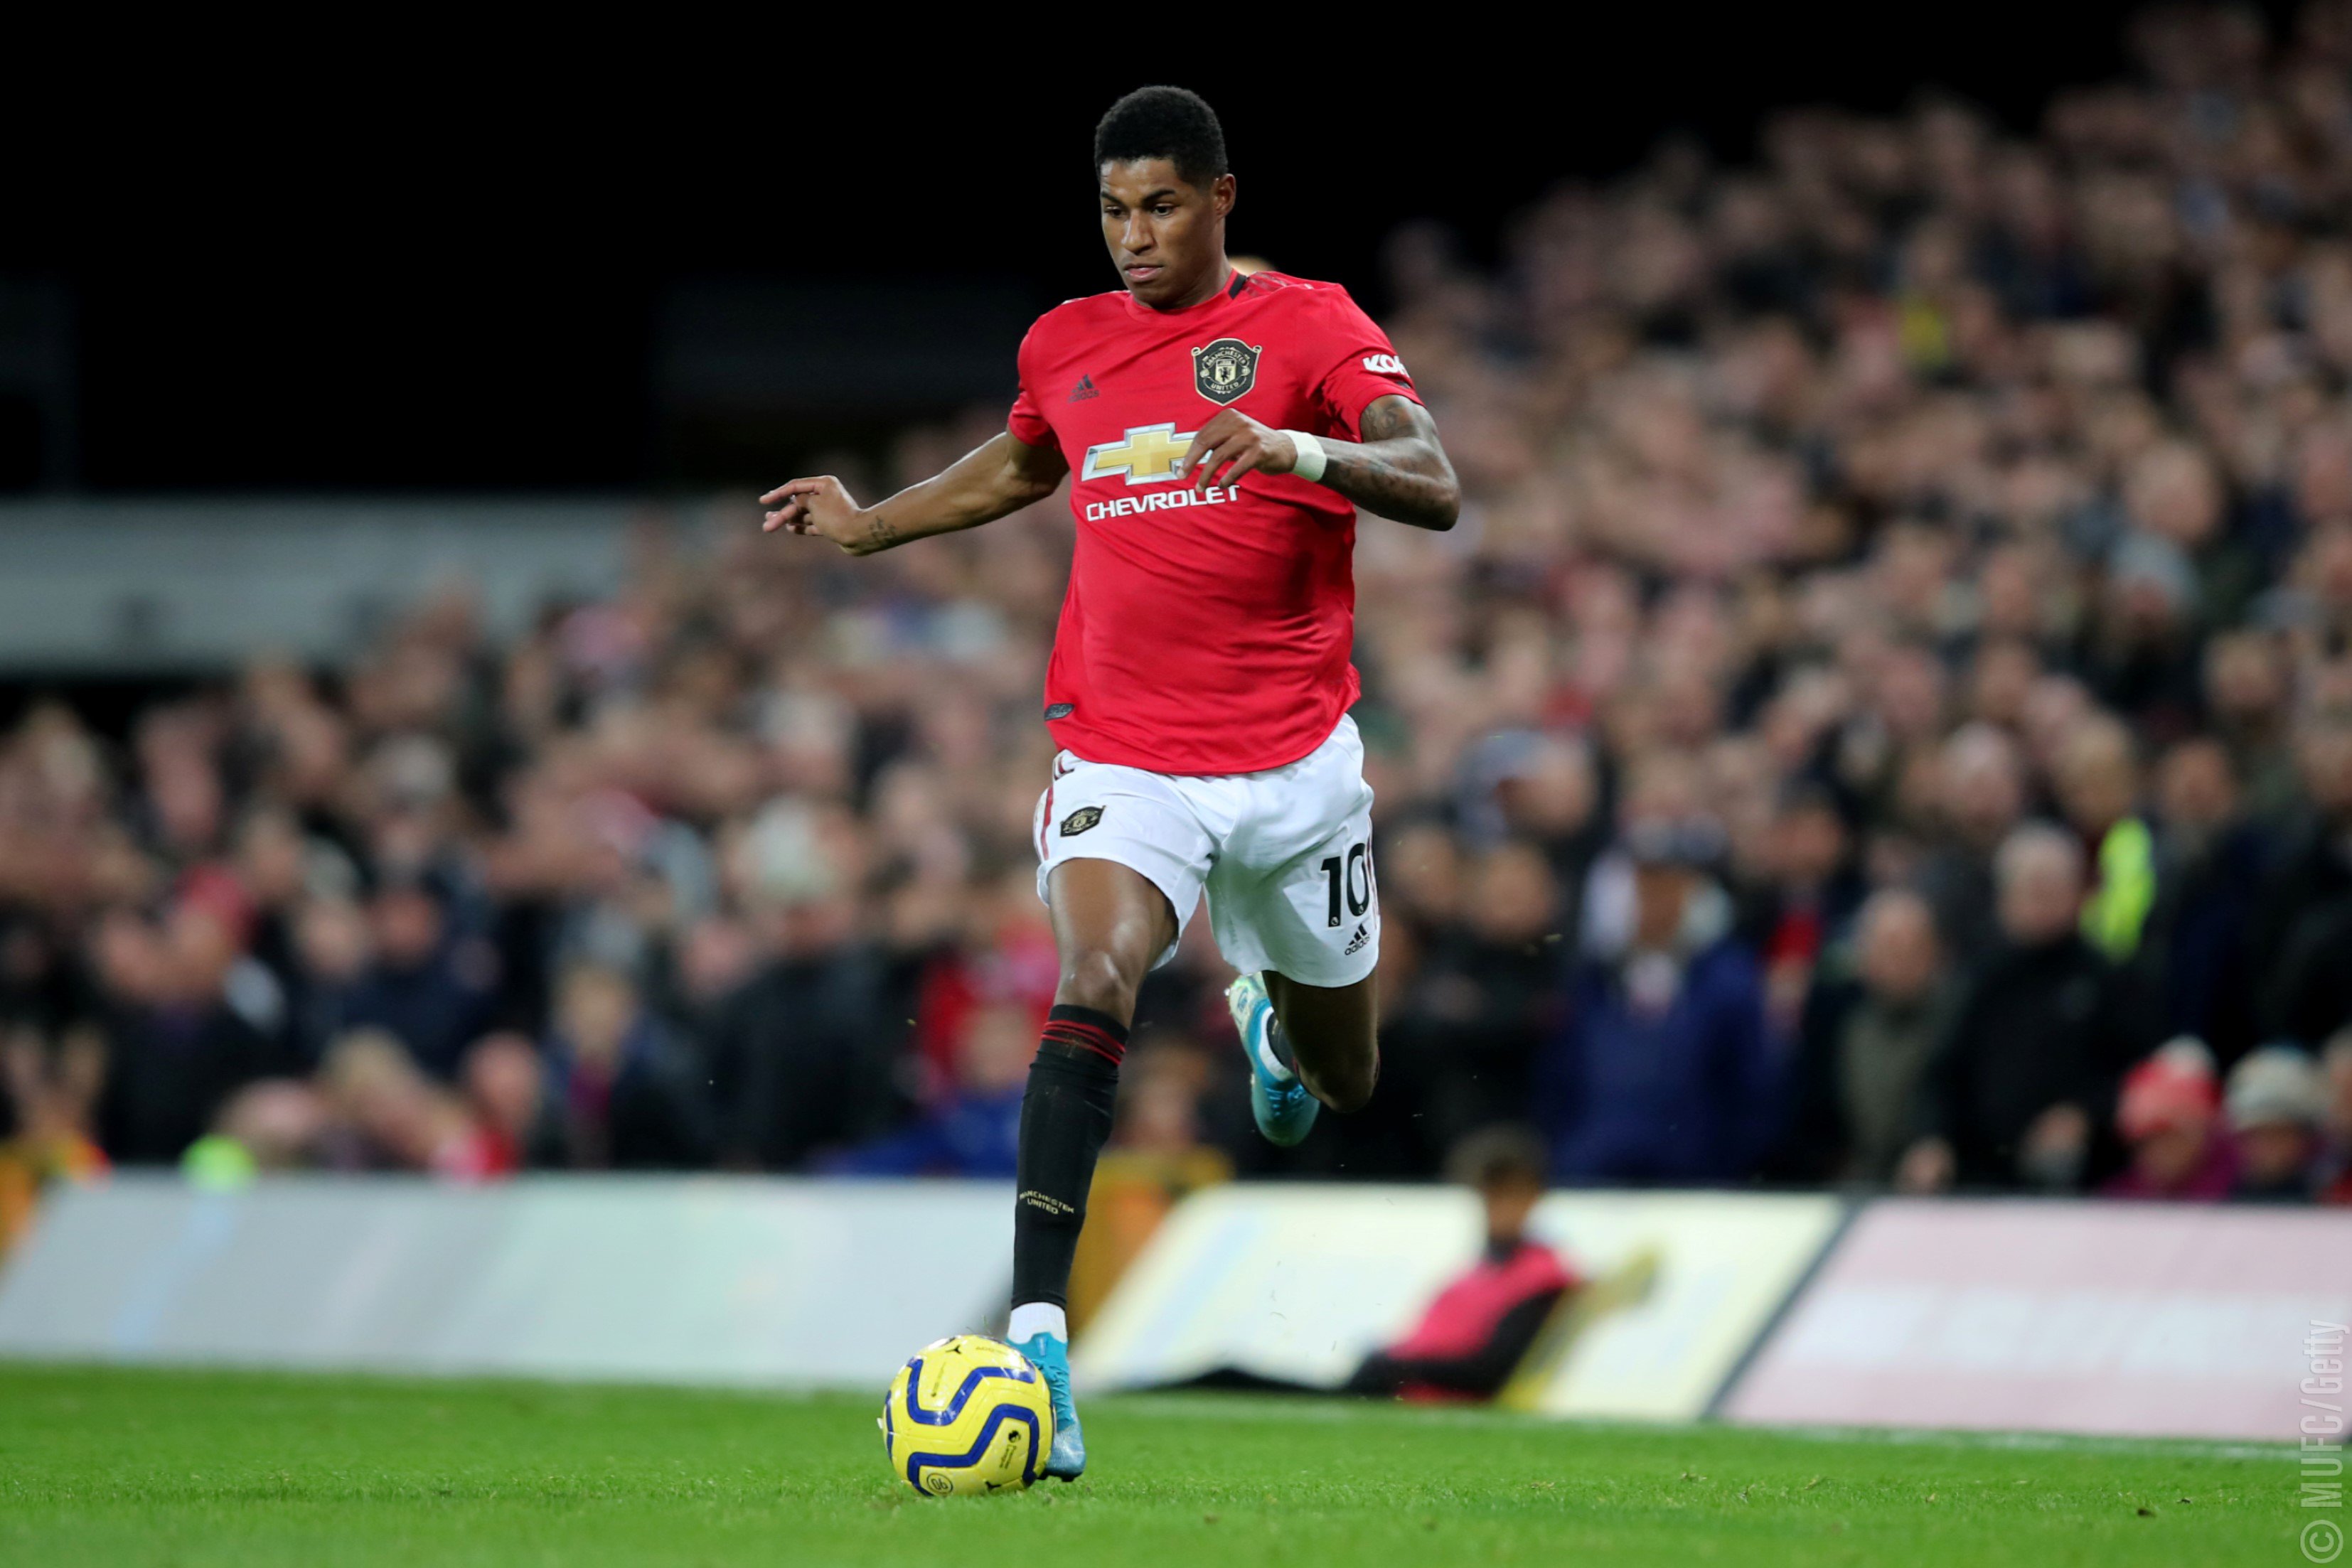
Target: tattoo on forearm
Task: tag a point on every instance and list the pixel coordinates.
(1398, 469)
(879, 534)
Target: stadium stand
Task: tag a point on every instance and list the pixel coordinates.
(1894, 675)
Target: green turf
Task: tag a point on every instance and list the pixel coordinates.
(135, 1467)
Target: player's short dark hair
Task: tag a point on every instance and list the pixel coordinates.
(1170, 122)
(1497, 1156)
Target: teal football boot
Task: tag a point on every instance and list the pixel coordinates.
(1066, 1460)
(1283, 1109)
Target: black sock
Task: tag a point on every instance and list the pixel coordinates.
(1280, 1042)
(1064, 1118)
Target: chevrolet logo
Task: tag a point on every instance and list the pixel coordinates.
(1145, 456)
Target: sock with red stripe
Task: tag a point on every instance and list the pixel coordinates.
(1065, 1119)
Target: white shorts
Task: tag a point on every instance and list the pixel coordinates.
(1285, 855)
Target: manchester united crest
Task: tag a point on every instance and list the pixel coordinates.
(1224, 369)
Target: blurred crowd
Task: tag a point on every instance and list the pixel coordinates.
(1884, 718)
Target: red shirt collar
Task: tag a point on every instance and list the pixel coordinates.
(1224, 292)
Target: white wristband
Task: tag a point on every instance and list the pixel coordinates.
(1309, 464)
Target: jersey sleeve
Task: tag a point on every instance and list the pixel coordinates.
(1360, 366)
(1027, 420)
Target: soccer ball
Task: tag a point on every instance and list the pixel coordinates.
(965, 1417)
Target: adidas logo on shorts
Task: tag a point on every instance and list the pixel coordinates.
(1355, 943)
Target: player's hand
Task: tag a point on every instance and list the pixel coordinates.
(1232, 444)
(823, 506)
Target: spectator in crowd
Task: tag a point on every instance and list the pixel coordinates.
(2248, 696)
(2210, 863)
(1808, 905)
(427, 991)
(2099, 784)
(975, 1130)
(384, 1113)
(271, 873)
(53, 1094)
(1485, 992)
(176, 1049)
(2169, 1118)
(1979, 796)
(1661, 1071)
(1547, 791)
(330, 953)
(2336, 1151)
(2276, 1103)
(802, 1062)
(1868, 1037)
(504, 1084)
(2309, 903)
(1000, 952)
(2019, 1088)
(272, 1124)
(622, 1093)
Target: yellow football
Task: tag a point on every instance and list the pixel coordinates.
(967, 1415)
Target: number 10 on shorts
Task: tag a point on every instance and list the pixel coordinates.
(1350, 878)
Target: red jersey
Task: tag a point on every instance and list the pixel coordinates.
(1205, 632)
(1466, 1314)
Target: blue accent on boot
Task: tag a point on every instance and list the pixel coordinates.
(1066, 1460)
(1283, 1108)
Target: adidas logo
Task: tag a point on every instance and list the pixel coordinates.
(1363, 936)
(1084, 389)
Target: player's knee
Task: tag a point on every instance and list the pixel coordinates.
(1097, 978)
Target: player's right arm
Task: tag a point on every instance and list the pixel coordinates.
(995, 479)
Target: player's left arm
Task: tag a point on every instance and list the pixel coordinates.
(1399, 470)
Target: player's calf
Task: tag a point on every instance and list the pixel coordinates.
(1064, 1118)
(1346, 1086)
(1332, 1033)
(1109, 923)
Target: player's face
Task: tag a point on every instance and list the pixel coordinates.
(1508, 1204)
(1166, 237)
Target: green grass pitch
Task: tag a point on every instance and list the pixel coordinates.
(189, 1469)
